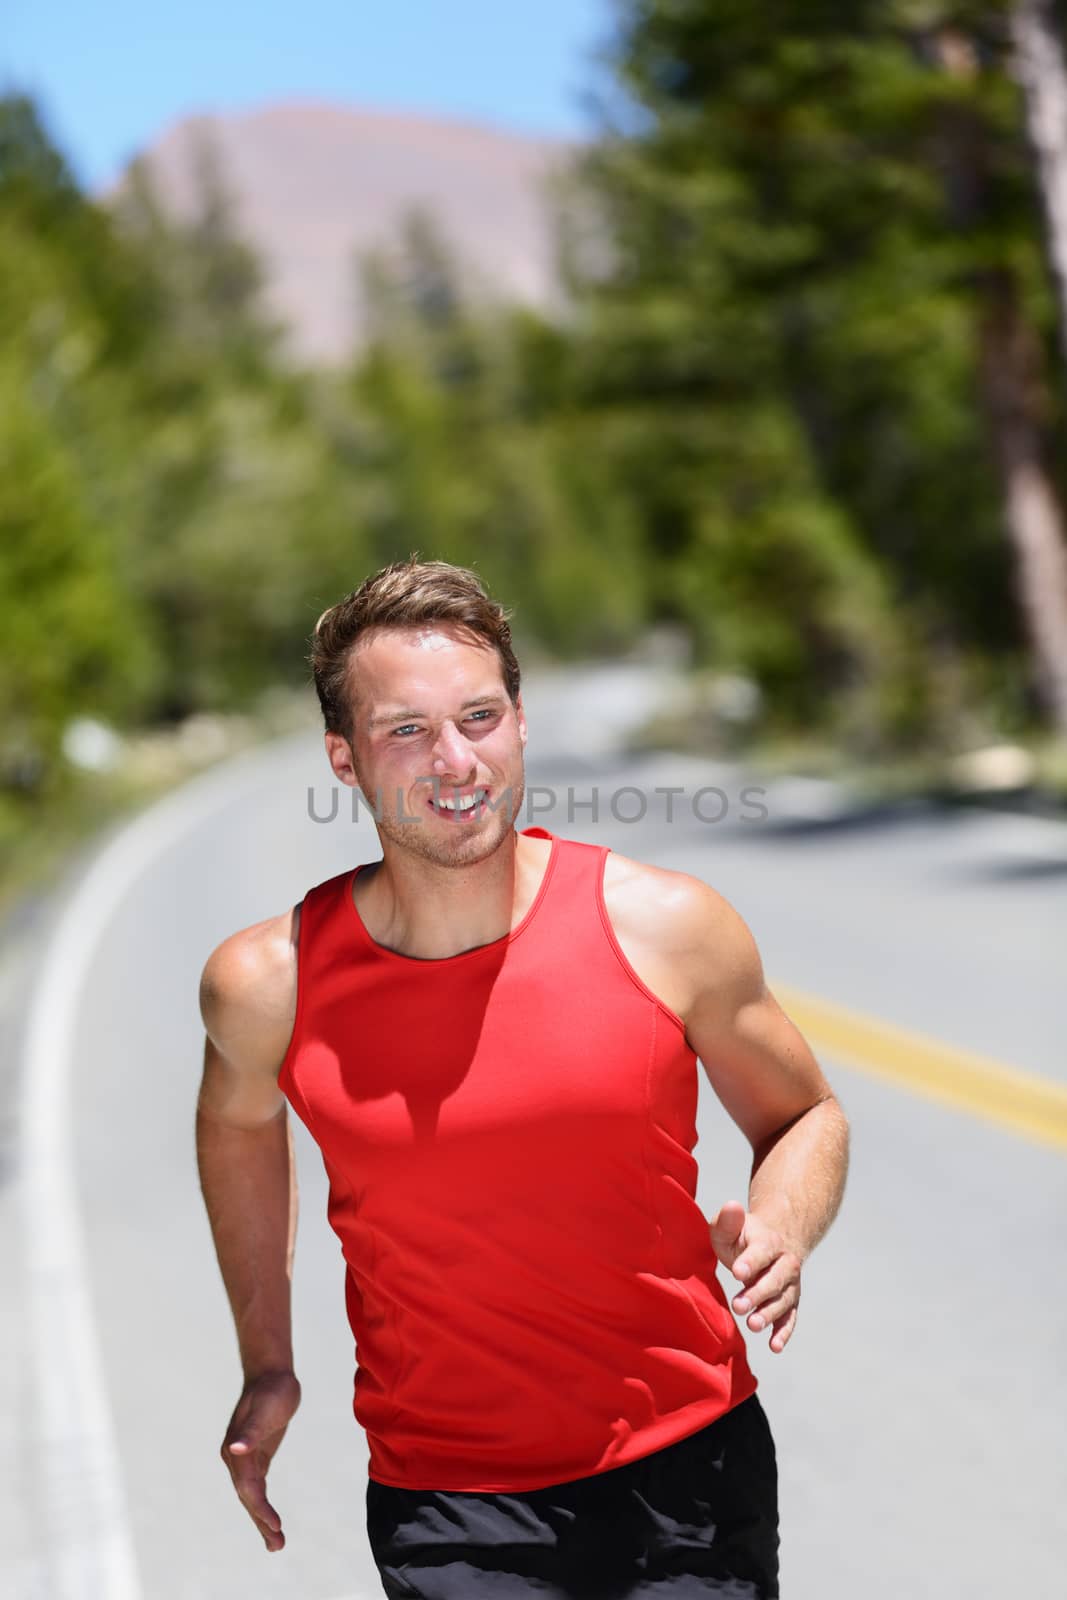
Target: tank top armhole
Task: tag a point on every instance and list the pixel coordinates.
(609, 931)
(285, 1080)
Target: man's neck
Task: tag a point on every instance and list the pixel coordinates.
(430, 910)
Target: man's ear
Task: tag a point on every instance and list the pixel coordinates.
(341, 756)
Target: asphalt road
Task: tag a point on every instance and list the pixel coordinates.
(918, 1409)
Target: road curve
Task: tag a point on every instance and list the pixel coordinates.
(916, 1416)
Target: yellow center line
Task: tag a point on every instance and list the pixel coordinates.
(1029, 1105)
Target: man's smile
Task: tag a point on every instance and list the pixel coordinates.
(458, 805)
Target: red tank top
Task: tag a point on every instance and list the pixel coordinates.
(508, 1137)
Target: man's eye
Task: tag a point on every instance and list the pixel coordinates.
(488, 712)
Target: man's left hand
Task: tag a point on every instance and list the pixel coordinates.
(766, 1264)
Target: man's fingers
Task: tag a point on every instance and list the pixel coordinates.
(730, 1219)
(782, 1331)
(270, 1532)
(773, 1310)
(768, 1280)
(262, 1513)
(250, 1481)
(253, 1497)
(255, 1431)
(754, 1259)
(252, 1493)
(727, 1231)
(265, 1515)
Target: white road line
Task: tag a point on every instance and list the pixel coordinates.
(91, 1541)
(91, 1545)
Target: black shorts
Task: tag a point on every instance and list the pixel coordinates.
(699, 1517)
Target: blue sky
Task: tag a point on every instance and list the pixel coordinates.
(111, 75)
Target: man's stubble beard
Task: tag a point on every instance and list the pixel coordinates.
(426, 837)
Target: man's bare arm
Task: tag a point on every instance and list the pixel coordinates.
(694, 950)
(247, 1177)
(768, 1079)
(764, 1072)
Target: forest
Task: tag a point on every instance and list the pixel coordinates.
(805, 404)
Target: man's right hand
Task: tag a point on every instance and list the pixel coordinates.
(256, 1429)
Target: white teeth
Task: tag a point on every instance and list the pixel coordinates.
(464, 805)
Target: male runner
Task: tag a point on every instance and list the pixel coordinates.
(492, 1034)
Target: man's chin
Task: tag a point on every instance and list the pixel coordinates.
(449, 843)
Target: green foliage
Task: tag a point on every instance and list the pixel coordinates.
(760, 416)
(73, 641)
(804, 207)
(469, 440)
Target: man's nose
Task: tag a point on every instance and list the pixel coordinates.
(453, 756)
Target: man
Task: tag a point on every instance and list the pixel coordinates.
(492, 1035)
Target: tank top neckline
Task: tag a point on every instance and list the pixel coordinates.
(462, 955)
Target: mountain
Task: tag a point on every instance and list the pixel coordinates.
(314, 184)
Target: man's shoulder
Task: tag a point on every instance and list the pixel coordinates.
(683, 938)
(676, 909)
(250, 976)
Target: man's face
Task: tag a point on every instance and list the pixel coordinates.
(433, 726)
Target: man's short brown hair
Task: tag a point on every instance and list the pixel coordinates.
(406, 594)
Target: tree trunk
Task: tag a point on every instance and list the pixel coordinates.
(1040, 67)
(1010, 374)
(1032, 509)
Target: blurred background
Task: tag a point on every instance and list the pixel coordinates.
(747, 322)
(728, 342)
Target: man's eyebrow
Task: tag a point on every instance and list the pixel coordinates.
(408, 715)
